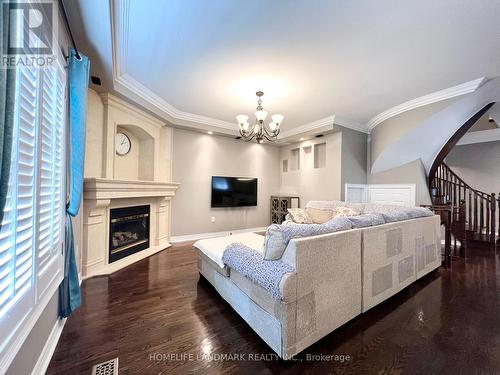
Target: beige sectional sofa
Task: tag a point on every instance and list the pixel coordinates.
(337, 277)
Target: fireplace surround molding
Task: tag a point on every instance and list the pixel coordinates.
(140, 178)
(100, 196)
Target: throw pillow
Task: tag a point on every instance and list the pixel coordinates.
(300, 216)
(274, 243)
(319, 216)
(345, 211)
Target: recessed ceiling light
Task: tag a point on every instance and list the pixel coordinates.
(210, 132)
(301, 139)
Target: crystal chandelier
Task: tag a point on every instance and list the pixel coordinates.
(260, 130)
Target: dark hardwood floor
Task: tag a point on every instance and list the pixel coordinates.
(447, 323)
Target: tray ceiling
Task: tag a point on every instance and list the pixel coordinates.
(321, 60)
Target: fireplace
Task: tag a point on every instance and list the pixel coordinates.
(128, 231)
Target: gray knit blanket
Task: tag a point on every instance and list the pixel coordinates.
(249, 262)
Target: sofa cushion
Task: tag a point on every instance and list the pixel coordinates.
(299, 216)
(366, 220)
(319, 216)
(360, 207)
(214, 247)
(345, 212)
(277, 236)
(393, 216)
(416, 212)
(370, 208)
(274, 241)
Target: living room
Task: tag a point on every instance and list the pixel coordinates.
(262, 187)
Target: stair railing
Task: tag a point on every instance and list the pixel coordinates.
(480, 208)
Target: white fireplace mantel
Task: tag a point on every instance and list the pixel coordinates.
(140, 178)
(102, 188)
(100, 196)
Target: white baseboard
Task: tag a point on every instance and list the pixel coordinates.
(199, 236)
(48, 350)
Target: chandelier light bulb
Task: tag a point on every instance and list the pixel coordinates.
(277, 118)
(261, 115)
(245, 126)
(273, 126)
(241, 119)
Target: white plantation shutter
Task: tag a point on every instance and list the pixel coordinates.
(6, 255)
(18, 235)
(50, 204)
(31, 236)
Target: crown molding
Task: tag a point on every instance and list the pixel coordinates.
(173, 115)
(323, 124)
(434, 97)
(481, 136)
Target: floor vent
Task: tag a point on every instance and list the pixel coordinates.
(106, 368)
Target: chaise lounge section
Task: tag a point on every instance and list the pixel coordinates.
(331, 278)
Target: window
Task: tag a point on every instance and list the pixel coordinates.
(31, 237)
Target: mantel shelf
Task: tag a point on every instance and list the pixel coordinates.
(102, 188)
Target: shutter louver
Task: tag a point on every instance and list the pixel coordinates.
(6, 256)
(50, 199)
(17, 234)
(31, 237)
(26, 156)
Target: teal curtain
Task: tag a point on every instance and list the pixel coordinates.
(7, 103)
(69, 290)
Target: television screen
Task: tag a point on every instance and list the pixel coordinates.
(234, 191)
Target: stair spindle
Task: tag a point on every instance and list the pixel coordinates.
(493, 218)
(470, 209)
(481, 216)
(488, 214)
(476, 221)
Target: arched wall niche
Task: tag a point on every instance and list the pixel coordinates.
(139, 163)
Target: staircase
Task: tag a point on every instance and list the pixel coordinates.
(475, 213)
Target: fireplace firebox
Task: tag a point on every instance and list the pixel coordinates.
(128, 231)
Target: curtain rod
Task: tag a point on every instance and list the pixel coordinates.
(65, 16)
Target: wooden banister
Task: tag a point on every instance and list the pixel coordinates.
(479, 208)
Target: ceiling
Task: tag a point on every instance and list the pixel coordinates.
(313, 60)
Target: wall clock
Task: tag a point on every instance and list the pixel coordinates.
(122, 144)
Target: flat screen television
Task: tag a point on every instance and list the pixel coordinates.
(234, 191)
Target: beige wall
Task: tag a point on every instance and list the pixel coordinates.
(483, 124)
(354, 149)
(345, 163)
(150, 153)
(392, 129)
(196, 158)
(478, 165)
(94, 142)
(388, 132)
(314, 183)
(127, 166)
